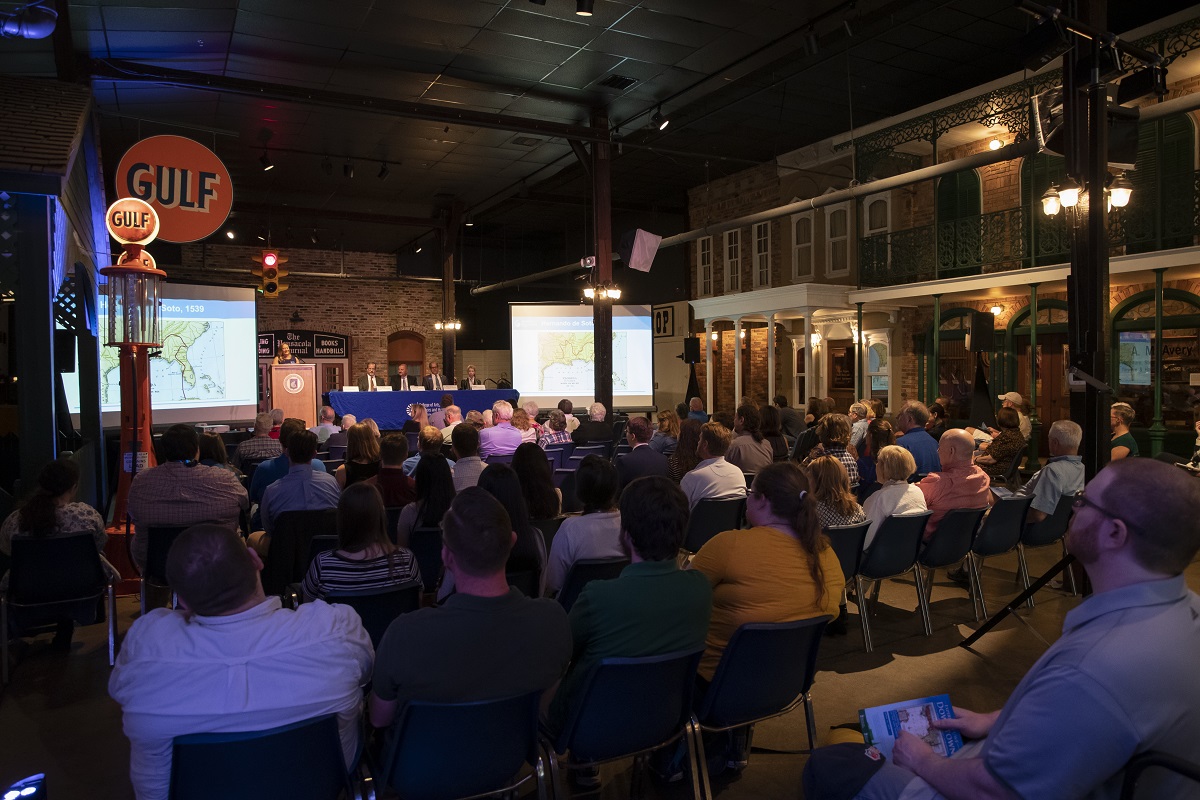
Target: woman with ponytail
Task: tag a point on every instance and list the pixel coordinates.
(51, 510)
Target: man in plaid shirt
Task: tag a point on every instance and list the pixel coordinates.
(259, 448)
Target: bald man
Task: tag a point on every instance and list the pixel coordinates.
(1119, 682)
(959, 484)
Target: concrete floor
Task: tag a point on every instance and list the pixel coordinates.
(57, 718)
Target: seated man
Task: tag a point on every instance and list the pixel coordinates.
(453, 416)
(696, 410)
(277, 416)
(642, 460)
(181, 491)
(302, 489)
(916, 440)
(259, 447)
(501, 438)
(393, 483)
(959, 483)
(270, 471)
(595, 430)
(568, 409)
(1062, 475)
(713, 478)
(485, 641)
(214, 665)
(325, 427)
(342, 438)
(653, 608)
(465, 446)
(438, 418)
(1119, 682)
(429, 442)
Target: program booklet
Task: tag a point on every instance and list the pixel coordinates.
(881, 725)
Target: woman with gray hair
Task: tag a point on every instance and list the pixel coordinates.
(555, 430)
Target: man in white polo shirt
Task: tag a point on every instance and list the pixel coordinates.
(714, 478)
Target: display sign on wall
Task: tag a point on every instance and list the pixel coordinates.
(183, 180)
(303, 344)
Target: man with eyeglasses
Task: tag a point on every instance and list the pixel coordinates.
(1119, 682)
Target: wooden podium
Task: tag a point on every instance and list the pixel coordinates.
(294, 389)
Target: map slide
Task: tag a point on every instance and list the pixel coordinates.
(206, 368)
(554, 349)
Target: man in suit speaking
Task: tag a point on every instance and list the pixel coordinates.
(435, 381)
(368, 382)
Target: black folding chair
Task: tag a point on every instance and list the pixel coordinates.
(1043, 534)
(893, 552)
(498, 458)
(288, 558)
(999, 534)
(393, 519)
(426, 545)
(302, 760)
(378, 607)
(847, 543)
(159, 539)
(549, 528)
(443, 751)
(950, 543)
(1156, 760)
(564, 480)
(54, 580)
(1014, 469)
(711, 517)
(583, 572)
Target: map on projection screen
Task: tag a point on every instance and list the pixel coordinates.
(567, 362)
(191, 367)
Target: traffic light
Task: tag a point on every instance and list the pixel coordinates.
(272, 273)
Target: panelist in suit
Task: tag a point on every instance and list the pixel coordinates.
(470, 380)
(401, 382)
(642, 460)
(368, 382)
(435, 381)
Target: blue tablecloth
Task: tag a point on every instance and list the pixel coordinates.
(390, 409)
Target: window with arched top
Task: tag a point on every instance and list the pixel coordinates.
(802, 245)
(408, 348)
(1134, 354)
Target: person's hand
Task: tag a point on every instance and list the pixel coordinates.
(970, 724)
(994, 432)
(911, 752)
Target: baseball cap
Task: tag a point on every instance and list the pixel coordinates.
(1013, 397)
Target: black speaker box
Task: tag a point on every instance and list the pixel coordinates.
(64, 351)
(691, 350)
(981, 336)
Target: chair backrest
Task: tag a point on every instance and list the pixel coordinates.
(953, 537)
(586, 570)
(393, 517)
(564, 479)
(619, 426)
(847, 542)
(320, 544)
(425, 750)
(54, 569)
(300, 760)
(337, 452)
(622, 449)
(287, 560)
(765, 669)
(561, 452)
(499, 458)
(1014, 468)
(413, 437)
(1153, 759)
(527, 581)
(628, 705)
(750, 479)
(894, 549)
(426, 545)
(1001, 529)
(378, 607)
(1053, 527)
(159, 539)
(711, 517)
(548, 527)
(583, 451)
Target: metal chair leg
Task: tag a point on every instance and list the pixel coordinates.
(976, 575)
(810, 721)
(3, 641)
(557, 778)
(862, 612)
(697, 760)
(112, 625)
(1023, 571)
(922, 600)
(1070, 572)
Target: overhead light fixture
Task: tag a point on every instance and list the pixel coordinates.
(995, 144)
(326, 166)
(470, 223)
(742, 333)
(348, 169)
(1068, 195)
(714, 336)
(815, 339)
(1120, 191)
(583, 8)
(589, 292)
(997, 310)
(659, 120)
(447, 325)
(419, 249)
(265, 160)
(314, 238)
(1051, 201)
(229, 234)
(602, 291)
(383, 171)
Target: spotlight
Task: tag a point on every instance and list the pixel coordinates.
(997, 310)
(1045, 43)
(327, 166)
(383, 171)
(614, 293)
(1120, 191)
(348, 169)
(229, 234)
(470, 223)
(265, 160)
(419, 248)
(583, 8)
(314, 238)
(995, 144)
(659, 120)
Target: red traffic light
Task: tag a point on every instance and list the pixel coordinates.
(269, 258)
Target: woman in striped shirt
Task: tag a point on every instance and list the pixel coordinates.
(365, 558)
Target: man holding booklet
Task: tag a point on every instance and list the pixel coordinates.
(1119, 682)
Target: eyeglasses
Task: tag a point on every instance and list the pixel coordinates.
(1082, 500)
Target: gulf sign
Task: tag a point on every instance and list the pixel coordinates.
(132, 221)
(183, 180)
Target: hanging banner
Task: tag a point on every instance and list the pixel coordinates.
(303, 344)
(183, 180)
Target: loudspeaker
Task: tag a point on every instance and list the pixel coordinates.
(981, 336)
(64, 351)
(691, 350)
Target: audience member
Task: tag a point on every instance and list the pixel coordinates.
(528, 554)
(521, 421)
(936, 425)
(915, 439)
(896, 496)
(429, 442)
(958, 484)
(858, 425)
(418, 419)
(772, 431)
(435, 491)
(341, 438)
(259, 447)
(836, 504)
(453, 418)
(879, 435)
(362, 457)
(1003, 448)
(270, 471)
(806, 441)
(713, 478)
(542, 499)
(681, 411)
(302, 489)
(467, 465)
(653, 608)
(568, 409)
(365, 557)
(1123, 445)
(393, 483)
(531, 410)
(696, 410)
(502, 438)
(878, 411)
(374, 426)
(1062, 475)
(180, 491)
(595, 430)
(1119, 682)
(475, 419)
(833, 435)
(723, 418)
(594, 534)
(642, 460)
(791, 420)
(438, 418)
(666, 435)
(212, 454)
(1014, 401)
(232, 659)
(325, 427)
(277, 417)
(556, 432)
(487, 640)
(685, 458)
(748, 450)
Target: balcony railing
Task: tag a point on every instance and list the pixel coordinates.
(1018, 238)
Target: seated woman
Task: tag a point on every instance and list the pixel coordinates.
(1004, 447)
(520, 421)
(685, 459)
(836, 504)
(213, 453)
(879, 435)
(594, 534)
(435, 492)
(419, 419)
(833, 437)
(781, 569)
(749, 451)
(362, 456)
(666, 437)
(365, 557)
(896, 496)
(543, 499)
(772, 431)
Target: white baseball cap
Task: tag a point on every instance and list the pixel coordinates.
(1013, 397)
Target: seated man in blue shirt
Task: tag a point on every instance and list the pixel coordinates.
(302, 489)
(1119, 682)
(1062, 475)
(916, 440)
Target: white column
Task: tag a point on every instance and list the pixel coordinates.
(737, 360)
(802, 401)
(770, 357)
(797, 346)
(708, 366)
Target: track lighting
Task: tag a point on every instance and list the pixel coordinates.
(583, 8)
(383, 171)
(265, 160)
(659, 120)
(348, 169)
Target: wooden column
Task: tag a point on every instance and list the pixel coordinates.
(602, 205)
(449, 242)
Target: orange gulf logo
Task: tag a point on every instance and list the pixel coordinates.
(183, 180)
(132, 221)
